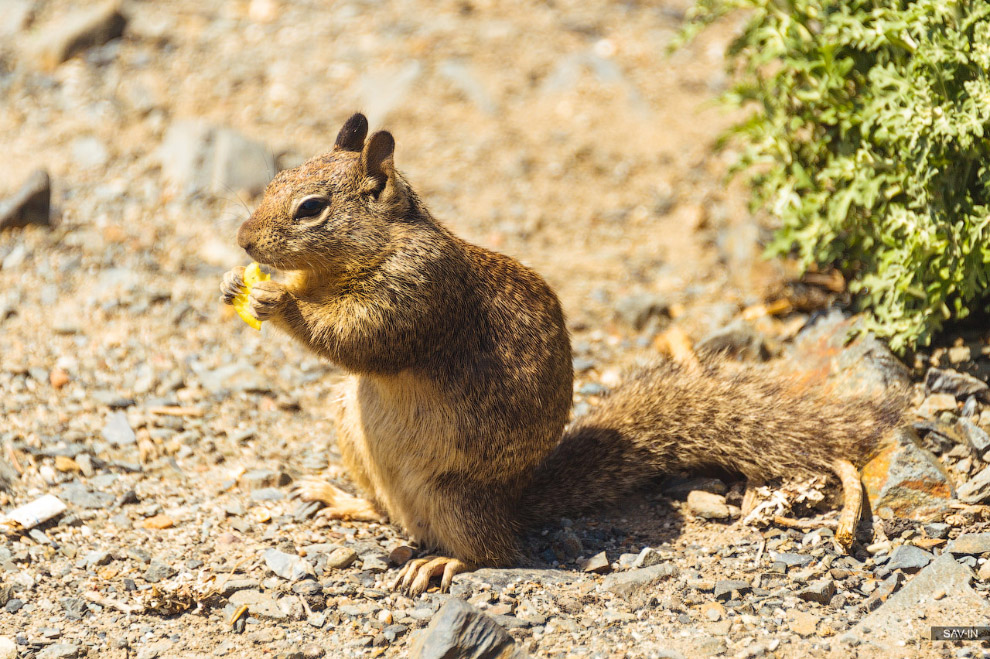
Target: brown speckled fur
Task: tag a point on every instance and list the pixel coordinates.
(461, 370)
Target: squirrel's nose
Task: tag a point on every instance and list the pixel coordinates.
(244, 238)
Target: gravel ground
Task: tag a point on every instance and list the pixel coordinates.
(562, 134)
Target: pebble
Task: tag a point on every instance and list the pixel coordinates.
(938, 530)
(976, 489)
(598, 564)
(259, 604)
(461, 630)
(267, 494)
(726, 587)
(648, 558)
(197, 156)
(707, 505)
(953, 383)
(712, 611)
(636, 310)
(71, 33)
(791, 560)
(158, 571)
(340, 558)
(803, 623)
(970, 543)
(8, 648)
(81, 497)
(117, 430)
(288, 566)
(374, 563)
(976, 436)
(74, 607)
(635, 586)
(96, 558)
(907, 480)
(909, 557)
(59, 651)
(936, 403)
(820, 591)
(400, 555)
(882, 591)
(255, 479)
(30, 204)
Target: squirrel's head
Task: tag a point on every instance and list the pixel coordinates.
(334, 212)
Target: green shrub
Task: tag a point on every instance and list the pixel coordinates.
(870, 144)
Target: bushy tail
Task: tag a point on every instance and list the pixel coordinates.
(753, 420)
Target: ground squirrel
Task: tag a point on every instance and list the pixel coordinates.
(452, 421)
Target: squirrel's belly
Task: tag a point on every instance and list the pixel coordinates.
(397, 441)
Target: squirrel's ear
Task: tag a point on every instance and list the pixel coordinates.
(352, 133)
(376, 158)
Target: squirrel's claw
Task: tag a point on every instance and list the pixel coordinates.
(414, 577)
(267, 299)
(233, 282)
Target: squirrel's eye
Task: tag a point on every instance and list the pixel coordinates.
(310, 208)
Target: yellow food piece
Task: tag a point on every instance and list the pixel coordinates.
(252, 275)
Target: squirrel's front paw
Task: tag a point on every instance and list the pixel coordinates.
(233, 282)
(267, 299)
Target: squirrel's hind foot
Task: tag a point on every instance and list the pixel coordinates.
(414, 577)
(339, 504)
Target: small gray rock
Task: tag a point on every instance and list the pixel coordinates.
(598, 564)
(707, 505)
(196, 156)
(259, 604)
(738, 339)
(288, 566)
(634, 586)
(74, 607)
(820, 591)
(949, 381)
(637, 310)
(725, 588)
(648, 558)
(31, 204)
(89, 152)
(74, 32)
(158, 571)
(937, 530)
(566, 544)
(909, 557)
(976, 489)
(59, 651)
(97, 557)
(78, 495)
(970, 543)
(267, 494)
(791, 560)
(374, 563)
(117, 430)
(976, 436)
(233, 585)
(678, 487)
(910, 613)
(460, 630)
